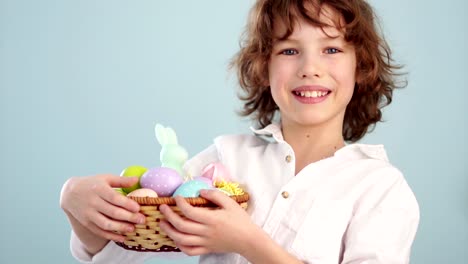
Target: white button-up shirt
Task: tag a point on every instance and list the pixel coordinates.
(354, 207)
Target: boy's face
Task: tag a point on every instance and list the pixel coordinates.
(312, 73)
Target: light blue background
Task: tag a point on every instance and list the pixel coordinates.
(83, 83)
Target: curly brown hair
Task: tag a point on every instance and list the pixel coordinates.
(375, 73)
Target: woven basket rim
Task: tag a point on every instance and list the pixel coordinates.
(199, 201)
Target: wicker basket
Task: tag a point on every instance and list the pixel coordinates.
(148, 237)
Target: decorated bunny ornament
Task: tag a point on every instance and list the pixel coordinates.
(172, 155)
(217, 172)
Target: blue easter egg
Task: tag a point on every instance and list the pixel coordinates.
(191, 188)
(204, 179)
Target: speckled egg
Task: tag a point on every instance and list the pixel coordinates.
(164, 181)
(191, 188)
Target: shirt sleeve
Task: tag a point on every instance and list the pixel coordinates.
(384, 223)
(111, 253)
(196, 164)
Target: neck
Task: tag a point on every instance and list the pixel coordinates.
(313, 143)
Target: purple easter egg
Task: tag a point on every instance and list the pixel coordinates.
(164, 181)
(204, 179)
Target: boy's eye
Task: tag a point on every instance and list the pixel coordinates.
(332, 50)
(289, 52)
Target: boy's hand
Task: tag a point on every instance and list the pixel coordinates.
(206, 230)
(98, 207)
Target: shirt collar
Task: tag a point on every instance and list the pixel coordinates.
(273, 129)
(354, 150)
(363, 151)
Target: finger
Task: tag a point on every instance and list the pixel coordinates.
(180, 237)
(119, 213)
(193, 250)
(196, 214)
(119, 182)
(219, 198)
(106, 234)
(117, 199)
(107, 224)
(184, 225)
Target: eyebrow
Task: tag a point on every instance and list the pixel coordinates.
(281, 40)
(277, 40)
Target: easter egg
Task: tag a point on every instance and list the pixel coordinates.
(119, 190)
(191, 188)
(224, 191)
(143, 192)
(164, 181)
(231, 188)
(133, 171)
(204, 179)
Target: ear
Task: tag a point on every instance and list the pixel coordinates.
(171, 137)
(160, 132)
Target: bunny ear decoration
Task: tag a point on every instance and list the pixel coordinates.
(165, 135)
(171, 137)
(160, 132)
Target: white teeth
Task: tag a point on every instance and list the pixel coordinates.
(313, 94)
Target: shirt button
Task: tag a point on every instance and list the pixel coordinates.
(288, 158)
(285, 194)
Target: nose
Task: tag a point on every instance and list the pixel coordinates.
(310, 67)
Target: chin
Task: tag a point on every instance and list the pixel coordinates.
(308, 122)
(312, 120)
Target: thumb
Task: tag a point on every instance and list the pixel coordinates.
(219, 198)
(121, 182)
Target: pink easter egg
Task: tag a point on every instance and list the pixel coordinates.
(164, 181)
(216, 172)
(143, 192)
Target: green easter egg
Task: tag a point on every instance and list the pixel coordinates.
(119, 190)
(133, 171)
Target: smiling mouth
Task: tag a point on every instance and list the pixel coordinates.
(311, 94)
